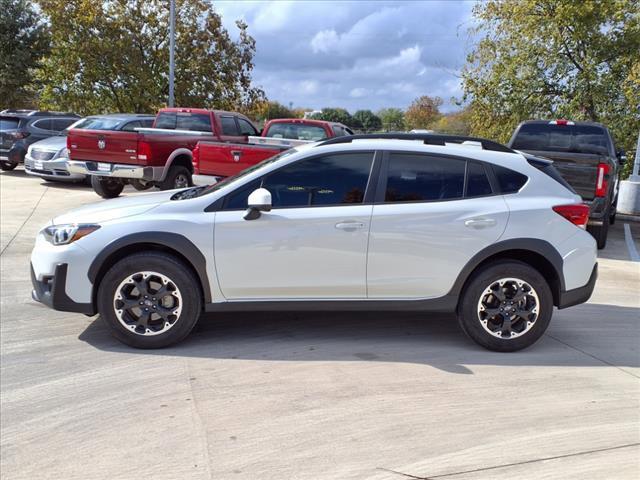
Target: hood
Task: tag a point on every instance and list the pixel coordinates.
(52, 144)
(115, 208)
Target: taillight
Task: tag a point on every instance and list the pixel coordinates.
(601, 180)
(561, 121)
(576, 213)
(196, 160)
(144, 151)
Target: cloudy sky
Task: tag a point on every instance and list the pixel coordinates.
(361, 54)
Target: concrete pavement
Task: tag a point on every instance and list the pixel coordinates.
(311, 395)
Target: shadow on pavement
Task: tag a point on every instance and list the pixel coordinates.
(434, 340)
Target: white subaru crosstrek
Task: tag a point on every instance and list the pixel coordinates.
(420, 222)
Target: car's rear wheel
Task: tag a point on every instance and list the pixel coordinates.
(106, 187)
(506, 306)
(149, 300)
(7, 166)
(600, 232)
(177, 177)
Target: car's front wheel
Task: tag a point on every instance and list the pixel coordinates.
(149, 300)
(7, 166)
(506, 306)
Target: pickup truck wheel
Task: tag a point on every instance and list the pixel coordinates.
(177, 177)
(7, 166)
(106, 187)
(149, 300)
(506, 306)
(600, 232)
(140, 185)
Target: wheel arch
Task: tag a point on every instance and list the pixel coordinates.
(537, 253)
(166, 242)
(182, 157)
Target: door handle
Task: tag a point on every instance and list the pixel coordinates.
(478, 223)
(349, 225)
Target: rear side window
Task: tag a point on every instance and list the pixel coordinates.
(561, 138)
(339, 179)
(508, 180)
(60, 124)
(166, 120)
(8, 123)
(246, 128)
(198, 122)
(146, 123)
(229, 126)
(43, 124)
(420, 178)
(477, 181)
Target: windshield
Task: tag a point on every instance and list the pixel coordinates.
(9, 123)
(561, 138)
(195, 192)
(296, 131)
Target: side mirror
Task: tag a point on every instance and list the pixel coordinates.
(259, 201)
(622, 157)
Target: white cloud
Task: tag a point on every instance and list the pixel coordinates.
(324, 41)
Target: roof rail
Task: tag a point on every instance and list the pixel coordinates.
(426, 138)
(43, 113)
(16, 111)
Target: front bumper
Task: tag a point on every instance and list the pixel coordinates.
(51, 291)
(56, 169)
(569, 298)
(115, 170)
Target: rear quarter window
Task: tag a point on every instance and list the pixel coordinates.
(509, 181)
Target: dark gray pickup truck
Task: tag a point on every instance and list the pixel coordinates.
(585, 156)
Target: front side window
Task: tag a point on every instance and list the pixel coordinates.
(339, 179)
(131, 126)
(229, 126)
(420, 178)
(246, 128)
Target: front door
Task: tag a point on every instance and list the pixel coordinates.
(311, 245)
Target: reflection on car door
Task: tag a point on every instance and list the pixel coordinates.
(428, 227)
(311, 245)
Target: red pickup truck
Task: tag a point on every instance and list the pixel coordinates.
(215, 160)
(160, 156)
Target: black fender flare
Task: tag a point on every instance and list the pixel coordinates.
(173, 241)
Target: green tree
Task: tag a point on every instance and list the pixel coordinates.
(368, 120)
(392, 119)
(554, 59)
(113, 55)
(422, 111)
(24, 40)
(269, 110)
(339, 115)
(456, 123)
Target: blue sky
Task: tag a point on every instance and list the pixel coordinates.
(362, 54)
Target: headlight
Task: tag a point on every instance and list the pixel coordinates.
(64, 153)
(65, 234)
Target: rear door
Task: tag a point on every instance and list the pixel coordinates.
(432, 214)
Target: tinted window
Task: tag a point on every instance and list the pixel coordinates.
(131, 126)
(508, 180)
(60, 124)
(296, 131)
(166, 120)
(238, 199)
(229, 126)
(477, 181)
(44, 124)
(146, 123)
(414, 178)
(561, 138)
(246, 128)
(99, 123)
(339, 179)
(9, 123)
(199, 122)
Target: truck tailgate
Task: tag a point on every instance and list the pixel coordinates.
(578, 169)
(103, 146)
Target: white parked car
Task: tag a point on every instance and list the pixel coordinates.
(350, 223)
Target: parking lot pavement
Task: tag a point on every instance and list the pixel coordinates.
(312, 395)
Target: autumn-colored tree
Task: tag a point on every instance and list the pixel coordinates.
(555, 59)
(24, 39)
(455, 123)
(268, 110)
(113, 55)
(423, 111)
(392, 119)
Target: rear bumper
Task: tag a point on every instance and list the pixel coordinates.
(51, 169)
(50, 291)
(569, 298)
(597, 210)
(116, 170)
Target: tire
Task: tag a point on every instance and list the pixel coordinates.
(177, 177)
(600, 232)
(476, 303)
(140, 185)
(149, 269)
(7, 166)
(106, 188)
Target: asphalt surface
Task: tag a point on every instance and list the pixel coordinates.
(312, 395)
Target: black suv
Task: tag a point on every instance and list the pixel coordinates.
(585, 155)
(21, 128)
